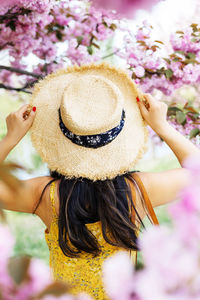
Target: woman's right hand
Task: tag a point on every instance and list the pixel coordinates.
(19, 122)
(154, 112)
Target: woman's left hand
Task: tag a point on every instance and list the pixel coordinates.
(18, 123)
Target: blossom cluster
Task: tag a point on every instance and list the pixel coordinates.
(56, 34)
(43, 28)
(153, 67)
(171, 255)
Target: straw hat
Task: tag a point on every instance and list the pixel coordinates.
(88, 123)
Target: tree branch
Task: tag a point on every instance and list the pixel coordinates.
(13, 15)
(111, 54)
(10, 88)
(19, 71)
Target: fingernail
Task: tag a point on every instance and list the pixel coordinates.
(34, 108)
(138, 100)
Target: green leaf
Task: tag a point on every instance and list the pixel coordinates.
(180, 117)
(172, 110)
(90, 50)
(191, 55)
(194, 132)
(59, 35)
(133, 76)
(142, 43)
(113, 26)
(193, 116)
(79, 39)
(191, 61)
(95, 45)
(159, 42)
(177, 59)
(150, 71)
(167, 60)
(60, 26)
(105, 24)
(179, 31)
(154, 48)
(194, 27)
(18, 268)
(180, 52)
(168, 73)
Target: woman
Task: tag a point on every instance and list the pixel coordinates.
(87, 125)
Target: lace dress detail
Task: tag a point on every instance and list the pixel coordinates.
(84, 273)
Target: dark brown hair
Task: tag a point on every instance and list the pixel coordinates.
(83, 201)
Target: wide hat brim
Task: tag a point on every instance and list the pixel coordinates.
(72, 160)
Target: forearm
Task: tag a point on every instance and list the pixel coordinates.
(180, 145)
(6, 145)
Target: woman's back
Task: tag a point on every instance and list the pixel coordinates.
(84, 272)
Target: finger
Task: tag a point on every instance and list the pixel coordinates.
(148, 97)
(30, 118)
(143, 109)
(24, 110)
(151, 100)
(144, 101)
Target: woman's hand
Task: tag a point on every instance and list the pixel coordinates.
(154, 112)
(18, 123)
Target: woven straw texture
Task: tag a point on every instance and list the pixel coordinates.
(94, 98)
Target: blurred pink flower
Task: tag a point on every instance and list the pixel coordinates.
(139, 71)
(6, 244)
(83, 296)
(40, 277)
(118, 276)
(125, 6)
(68, 297)
(8, 2)
(193, 163)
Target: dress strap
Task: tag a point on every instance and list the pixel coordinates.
(52, 198)
(132, 214)
(150, 209)
(132, 211)
(146, 198)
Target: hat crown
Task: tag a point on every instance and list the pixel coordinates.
(91, 104)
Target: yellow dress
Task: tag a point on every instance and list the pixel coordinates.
(84, 273)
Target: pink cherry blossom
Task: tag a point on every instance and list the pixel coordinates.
(125, 6)
(118, 276)
(139, 71)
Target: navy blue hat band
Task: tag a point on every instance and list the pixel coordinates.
(95, 140)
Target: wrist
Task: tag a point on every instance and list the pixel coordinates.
(163, 129)
(10, 142)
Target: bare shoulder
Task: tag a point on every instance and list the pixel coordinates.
(26, 196)
(36, 186)
(163, 187)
